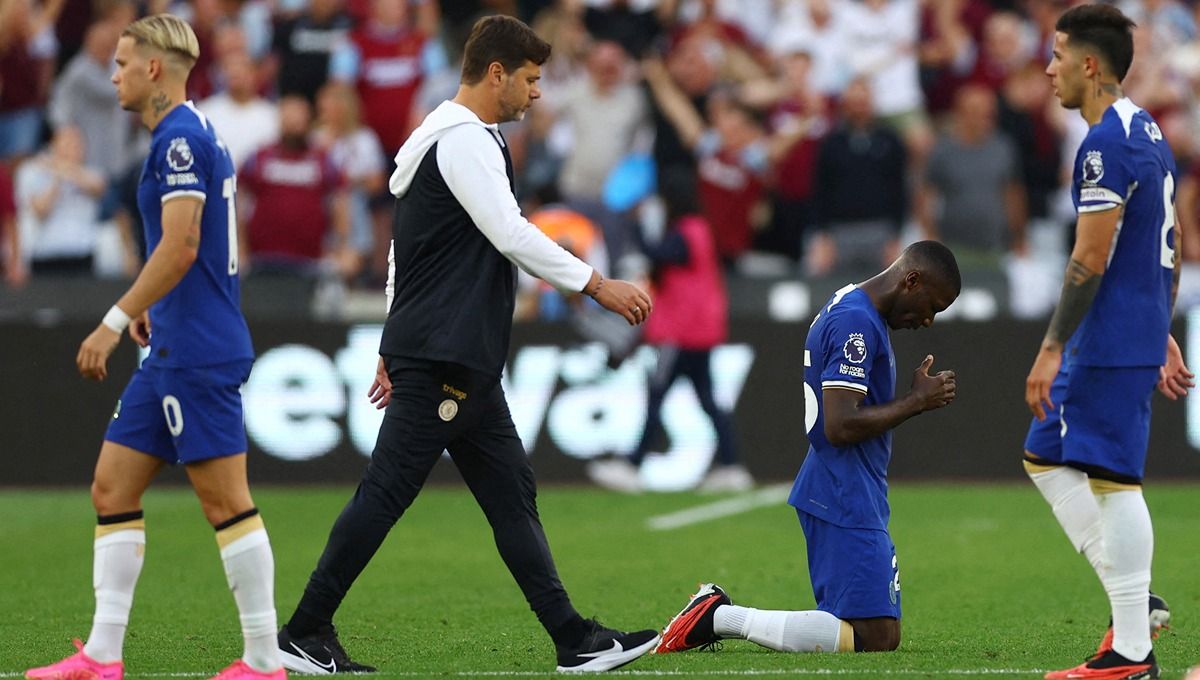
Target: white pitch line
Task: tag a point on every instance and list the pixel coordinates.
(770, 495)
(790, 672)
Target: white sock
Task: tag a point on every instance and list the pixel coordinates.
(784, 631)
(117, 562)
(250, 570)
(1129, 549)
(1070, 497)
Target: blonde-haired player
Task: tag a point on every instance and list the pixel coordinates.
(183, 405)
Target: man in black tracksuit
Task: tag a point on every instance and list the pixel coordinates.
(456, 236)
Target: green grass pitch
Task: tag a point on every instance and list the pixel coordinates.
(990, 585)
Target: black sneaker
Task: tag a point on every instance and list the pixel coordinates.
(317, 654)
(604, 649)
(693, 626)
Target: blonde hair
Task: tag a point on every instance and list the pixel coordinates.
(168, 34)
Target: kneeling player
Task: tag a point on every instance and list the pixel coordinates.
(840, 494)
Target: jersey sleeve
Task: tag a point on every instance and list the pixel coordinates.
(1102, 177)
(848, 341)
(182, 164)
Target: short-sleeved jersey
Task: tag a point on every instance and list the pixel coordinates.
(847, 348)
(1124, 163)
(199, 322)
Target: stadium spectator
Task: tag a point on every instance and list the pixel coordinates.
(691, 317)
(58, 203)
(633, 24)
(858, 230)
(753, 20)
(603, 113)
(816, 27)
(732, 157)
(972, 197)
(1024, 115)
(15, 271)
(83, 97)
(576, 234)
(1007, 47)
(296, 211)
(951, 31)
(561, 25)
(1170, 22)
(692, 65)
(840, 494)
(881, 45)
(386, 59)
(246, 120)
(27, 56)
(798, 118)
(303, 46)
(355, 151)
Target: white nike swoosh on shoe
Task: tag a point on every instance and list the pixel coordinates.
(330, 667)
(615, 649)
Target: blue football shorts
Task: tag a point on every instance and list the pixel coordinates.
(854, 572)
(1101, 420)
(182, 415)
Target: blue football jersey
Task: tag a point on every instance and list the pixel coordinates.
(847, 348)
(199, 322)
(1124, 163)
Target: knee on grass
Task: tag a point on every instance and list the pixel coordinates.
(876, 635)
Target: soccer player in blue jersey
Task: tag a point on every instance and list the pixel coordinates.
(183, 405)
(840, 494)
(1108, 344)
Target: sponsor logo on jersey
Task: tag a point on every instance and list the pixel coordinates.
(182, 178)
(1091, 194)
(179, 155)
(852, 371)
(1093, 167)
(454, 392)
(855, 348)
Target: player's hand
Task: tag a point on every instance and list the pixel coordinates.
(1041, 376)
(933, 391)
(139, 329)
(93, 354)
(624, 298)
(1174, 379)
(380, 393)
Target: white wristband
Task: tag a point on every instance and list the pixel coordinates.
(116, 319)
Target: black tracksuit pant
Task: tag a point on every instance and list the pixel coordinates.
(438, 406)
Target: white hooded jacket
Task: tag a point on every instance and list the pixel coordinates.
(472, 165)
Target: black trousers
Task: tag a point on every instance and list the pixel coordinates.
(674, 362)
(438, 406)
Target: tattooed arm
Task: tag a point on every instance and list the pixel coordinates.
(1093, 242)
(171, 258)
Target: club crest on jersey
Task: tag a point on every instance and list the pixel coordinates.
(1093, 167)
(855, 348)
(447, 410)
(179, 155)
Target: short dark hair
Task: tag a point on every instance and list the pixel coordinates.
(501, 39)
(1103, 28)
(935, 259)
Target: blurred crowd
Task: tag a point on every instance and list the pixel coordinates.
(815, 137)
